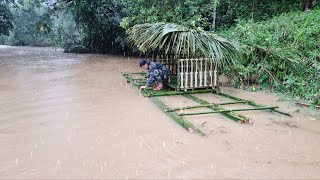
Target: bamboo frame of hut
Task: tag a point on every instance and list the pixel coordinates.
(191, 73)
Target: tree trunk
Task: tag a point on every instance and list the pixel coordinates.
(214, 15)
(307, 4)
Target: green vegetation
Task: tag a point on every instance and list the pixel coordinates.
(280, 38)
(5, 18)
(99, 26)
(200, 13)
(35, 24)
(282, 53)
(99, 22)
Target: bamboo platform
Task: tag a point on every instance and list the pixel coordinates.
(214, 107)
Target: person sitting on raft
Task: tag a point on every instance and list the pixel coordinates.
(158, 73)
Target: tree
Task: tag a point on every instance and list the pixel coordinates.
(230, 11)
(190, 13)
(5, 18)
(32, 24)
(307, 4)
(214, 14)
(100, 23)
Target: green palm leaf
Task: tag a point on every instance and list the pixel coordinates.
(174, 39)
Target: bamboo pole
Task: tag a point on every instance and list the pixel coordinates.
(191, 73)
(206, 105)
(181, 74)
(196, 75)
(172, 93)
(180, 120)
(201, 73)
(171, 85)
(196, 58)
(227, 103)
(138, 83)
(307, 105)
(231, 110)
(215, 75)
(205, 72)
(141, 73)
(168, 64)
(178, 73)
(236, 117)
(211, 72)
(186, 75)
(132, 80)
(248, 102)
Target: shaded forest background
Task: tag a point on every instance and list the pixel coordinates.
(280, 37)
(100, 25)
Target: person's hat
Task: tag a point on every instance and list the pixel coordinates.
(142, 62)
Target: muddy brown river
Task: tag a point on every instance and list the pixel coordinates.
(74, 116)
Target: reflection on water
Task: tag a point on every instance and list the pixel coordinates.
(74, 116)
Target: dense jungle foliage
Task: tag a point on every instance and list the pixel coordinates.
(100, 25)
(282, 53)
(280, 37)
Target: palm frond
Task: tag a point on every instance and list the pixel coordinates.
(174, 39)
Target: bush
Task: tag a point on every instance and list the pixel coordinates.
(282, 53)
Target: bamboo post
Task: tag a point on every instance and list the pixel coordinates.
(186, 75)
(163, 59)
(196, 75)
(181, 74)
(172, 65)
(191, 73)
(211, 72)
(175, 65)
(215, 75)
(201, 73)
(168, 62)
(178, 73)
(205, 72)
(169, 67)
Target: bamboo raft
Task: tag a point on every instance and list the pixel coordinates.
(214, 107)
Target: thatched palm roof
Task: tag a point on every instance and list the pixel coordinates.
(174, 39)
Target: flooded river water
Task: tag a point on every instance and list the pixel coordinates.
(74, 116)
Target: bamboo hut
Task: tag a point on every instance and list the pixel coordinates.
(193, 56)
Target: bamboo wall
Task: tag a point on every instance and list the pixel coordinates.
(191, 73)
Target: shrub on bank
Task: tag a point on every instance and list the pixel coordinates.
(282, 53)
